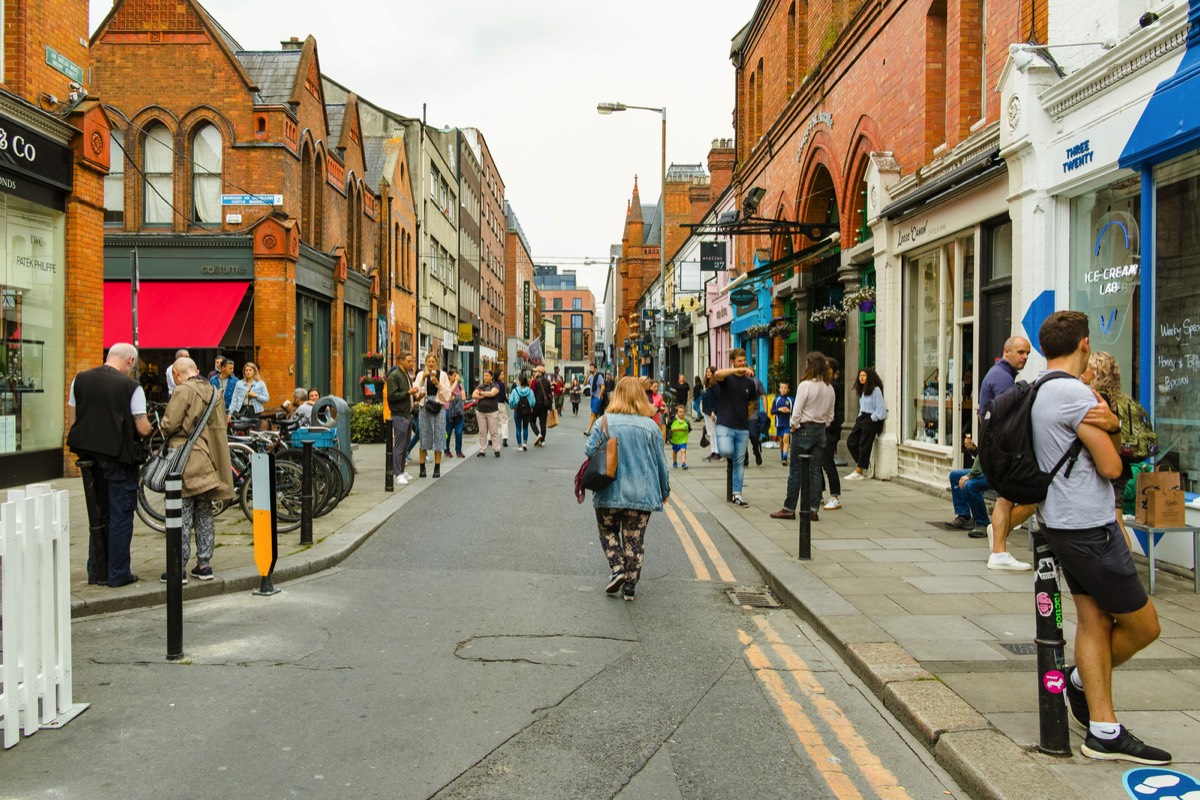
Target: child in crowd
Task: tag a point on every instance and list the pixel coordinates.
(680, 428)
(781, 409)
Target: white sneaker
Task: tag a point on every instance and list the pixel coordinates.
(402, 480)
(1006, 561)
(407, 477)
(832, 504)
(854, 476)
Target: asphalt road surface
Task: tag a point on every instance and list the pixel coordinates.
(469, 650)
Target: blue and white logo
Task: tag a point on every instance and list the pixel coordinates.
(1156, 783)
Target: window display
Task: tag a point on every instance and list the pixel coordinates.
(1177, 315)
(31, 315)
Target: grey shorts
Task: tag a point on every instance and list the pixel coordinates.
(1096, 562)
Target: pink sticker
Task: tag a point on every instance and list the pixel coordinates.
(1054, 681)
(1044, 604)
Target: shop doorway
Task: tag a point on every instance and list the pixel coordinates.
(995, 292)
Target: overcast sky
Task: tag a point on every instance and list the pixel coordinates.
(529, 73)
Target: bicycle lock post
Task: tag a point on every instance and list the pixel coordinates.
(174, 519)
(1052, 681)
(804, 546)
(266, 524)
(306, 495)
(97, 524)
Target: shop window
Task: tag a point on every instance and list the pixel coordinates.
(114, 181)
(158, 159)
(1177, 316)
(939, 340)
(1105, 270)
(206, 175)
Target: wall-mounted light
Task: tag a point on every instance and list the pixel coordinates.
(753, 198)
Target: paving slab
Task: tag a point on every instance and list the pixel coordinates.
(935, 604)
(955, 584)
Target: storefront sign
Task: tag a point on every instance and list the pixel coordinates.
(525, 331)
(712, 256)
(742, 297)
(27, 152)
(64, 65)
(955, 215)
(1078, 155)
(251, 199)
(819, 118)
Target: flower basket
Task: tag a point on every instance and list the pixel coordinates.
(864, 299)
(866, 305)
(830, 317)
(372, 360)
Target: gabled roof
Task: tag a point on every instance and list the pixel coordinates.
(336, 114)
(375, 153)
(273, 70)
(652, 222)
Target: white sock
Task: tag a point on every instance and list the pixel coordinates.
(1105, 730)
(1076, 681)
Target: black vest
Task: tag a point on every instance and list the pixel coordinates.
(103, 423)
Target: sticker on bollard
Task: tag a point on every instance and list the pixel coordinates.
(1052, 681)
(266, 539)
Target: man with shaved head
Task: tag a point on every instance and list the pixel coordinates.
(106, 412)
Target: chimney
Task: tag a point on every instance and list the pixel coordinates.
(721, 159)
(292, 44)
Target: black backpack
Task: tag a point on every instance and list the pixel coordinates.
(1006, 449)
(523, 409)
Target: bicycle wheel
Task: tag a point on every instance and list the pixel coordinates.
(289, 478)
(239, 459)
(345, 466)
(151, 508)
(326, 480)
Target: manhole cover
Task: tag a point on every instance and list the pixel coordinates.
(755, 598)
(1020, 648)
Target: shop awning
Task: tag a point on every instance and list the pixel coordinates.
(171, 314)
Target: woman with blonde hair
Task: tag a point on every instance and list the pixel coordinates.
(250, 395)
(1106, 381)
(433, 395)
(642, 484)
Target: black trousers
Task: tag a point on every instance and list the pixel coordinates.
(861, 440)
(833, 435)
(537, 421)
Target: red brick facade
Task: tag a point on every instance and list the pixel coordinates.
(558, 305)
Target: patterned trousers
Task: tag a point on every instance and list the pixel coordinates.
(621, 534)
(198, 512)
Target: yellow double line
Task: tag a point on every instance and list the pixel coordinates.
(811, 694)
(689, 547)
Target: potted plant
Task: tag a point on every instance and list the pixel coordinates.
(782, 328)
(375, 382)
(864, 298)
(372, 360)
(831, 316)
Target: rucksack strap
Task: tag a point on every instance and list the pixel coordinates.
(1072, 455)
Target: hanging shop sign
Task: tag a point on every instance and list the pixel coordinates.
(742, 297)
(712, 256)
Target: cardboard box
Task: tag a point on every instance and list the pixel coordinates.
(1160, 500)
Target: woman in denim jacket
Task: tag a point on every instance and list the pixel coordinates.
(642, 485)
(250, 395)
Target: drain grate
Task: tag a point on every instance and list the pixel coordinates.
(1020, 648)
(753, 597)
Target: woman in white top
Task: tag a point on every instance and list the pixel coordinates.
(433, 394)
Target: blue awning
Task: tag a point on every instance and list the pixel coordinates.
(1170, 125)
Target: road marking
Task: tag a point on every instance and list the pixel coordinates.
(876, 774)
(698, 566)
(829, 767)
(713, 553)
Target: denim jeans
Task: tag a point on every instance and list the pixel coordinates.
(731, 443)
(806, 439)
(116, 487)
(968, 501)
(522, 430)
(414, 434)
(456, 430)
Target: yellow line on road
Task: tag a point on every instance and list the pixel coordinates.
(713, 553)
(810, 738)
(698, 566)
(876, 774)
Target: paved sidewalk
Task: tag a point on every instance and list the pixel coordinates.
(917, 614)
(335, 536)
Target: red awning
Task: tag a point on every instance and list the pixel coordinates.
(171, 314)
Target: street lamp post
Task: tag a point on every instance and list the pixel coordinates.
(608, 108)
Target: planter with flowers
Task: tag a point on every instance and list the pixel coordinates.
(781, 329)
(372, 360)
(830, 317)
(864, 298)
(375, 382)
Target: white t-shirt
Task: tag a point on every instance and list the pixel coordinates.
(137, 403)
(1085, 499)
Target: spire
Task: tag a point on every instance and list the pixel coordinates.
(635, 204)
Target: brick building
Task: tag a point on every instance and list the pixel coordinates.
(493, 237)
(54, 153)
(573, 312)
(470, 249)
(241, 183)
(522, 308)
(864, 117)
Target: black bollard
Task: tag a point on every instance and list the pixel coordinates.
(1052, 680)
(804, 548)
(306, 495)
(174, 514)
(97, 524)
(389, 480)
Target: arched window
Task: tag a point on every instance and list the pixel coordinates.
(306, 195)
(352, 201)
(206, 175)
(158, 160)
(114, 182)
(318, 205)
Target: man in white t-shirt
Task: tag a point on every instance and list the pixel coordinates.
(1115, 618)
(171, 378)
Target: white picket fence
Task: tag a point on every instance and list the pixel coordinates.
(35, 612)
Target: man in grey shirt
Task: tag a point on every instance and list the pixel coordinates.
(1115, 617)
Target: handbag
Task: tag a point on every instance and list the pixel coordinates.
(432, 406)
(601, 469)
(704, 442)
(171, 460)
(552, 419)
